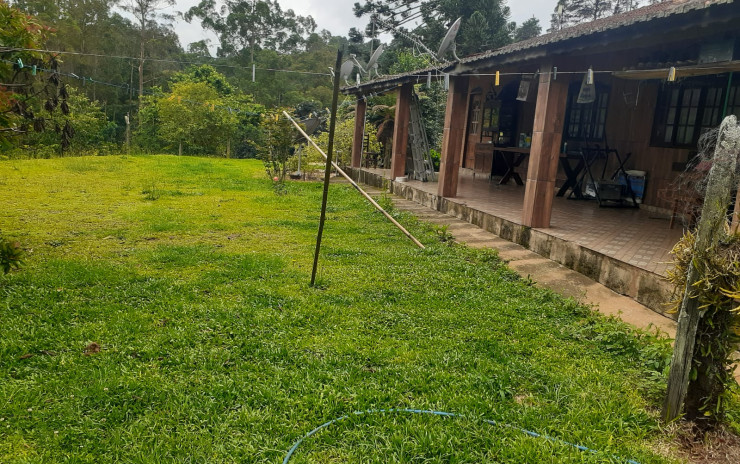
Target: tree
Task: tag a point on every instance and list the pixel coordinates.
(529, 29)
(278, 144)
(485, 22)
(21, 86)
(251, 25)
(202, 114)
(570, 12)
(91, 128)
(146, 12)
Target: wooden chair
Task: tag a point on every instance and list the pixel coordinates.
(684, 195)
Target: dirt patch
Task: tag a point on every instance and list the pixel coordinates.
(717, 447)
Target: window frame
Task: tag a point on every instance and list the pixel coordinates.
(669, 114)
(597, 110)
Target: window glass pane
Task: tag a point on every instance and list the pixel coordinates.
(695, 96)
(680, 134)
(692, 116)
(674, 97)
(671, 115)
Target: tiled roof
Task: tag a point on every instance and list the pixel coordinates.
(640, 15)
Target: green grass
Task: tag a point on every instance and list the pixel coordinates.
(192, 275)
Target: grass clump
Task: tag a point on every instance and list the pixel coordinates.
(211, 347)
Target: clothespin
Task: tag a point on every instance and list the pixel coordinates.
(554, 73)
(498, 79)
(20, 63)
(33, 70)
(447, 81)
(429, 79)
(672, 74)
(590, 76)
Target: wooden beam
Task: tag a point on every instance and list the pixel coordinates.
(547, 135)
(453, 136)
(681, 71)
(357, 138)
(401, 131)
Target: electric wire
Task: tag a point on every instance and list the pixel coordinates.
(129, 88)
(159, 60)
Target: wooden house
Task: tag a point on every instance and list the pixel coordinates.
(578, 113)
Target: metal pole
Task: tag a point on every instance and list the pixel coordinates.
(327, 171)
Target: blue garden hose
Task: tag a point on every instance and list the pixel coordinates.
(445, 414)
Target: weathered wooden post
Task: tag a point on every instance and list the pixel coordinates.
(710, 228)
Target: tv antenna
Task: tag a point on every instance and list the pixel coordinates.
(448, 43)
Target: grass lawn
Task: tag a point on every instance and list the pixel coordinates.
(191, 275)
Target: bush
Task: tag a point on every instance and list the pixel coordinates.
(10, 254)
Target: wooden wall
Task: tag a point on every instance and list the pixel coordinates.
(628, 129)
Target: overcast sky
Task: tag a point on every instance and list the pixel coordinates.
(337, 17)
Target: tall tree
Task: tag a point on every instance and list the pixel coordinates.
(485, 24)
(147, 12)
(529, 28)
(570, 12)
(252, 25)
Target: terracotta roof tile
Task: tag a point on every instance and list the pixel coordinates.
(640, 15)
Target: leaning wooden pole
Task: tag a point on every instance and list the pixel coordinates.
(354, 184)
(327, 171)
(711, 226)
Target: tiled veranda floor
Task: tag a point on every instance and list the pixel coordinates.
(633, 236)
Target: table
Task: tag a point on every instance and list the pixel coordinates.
(572, 173)
(513, 157)
(581, 172)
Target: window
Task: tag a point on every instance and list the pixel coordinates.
(586, 121)
(733, 101)
(686, 110)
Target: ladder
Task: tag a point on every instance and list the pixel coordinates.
(423, 165)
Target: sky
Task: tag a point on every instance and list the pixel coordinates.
(337, 17)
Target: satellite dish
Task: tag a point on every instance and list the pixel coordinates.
(312, 124)
(448, 43)
(346, 70)
(373, 63)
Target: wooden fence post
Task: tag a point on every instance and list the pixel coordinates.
(711, 226)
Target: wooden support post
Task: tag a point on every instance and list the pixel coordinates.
(453, 136)
(401, 131)
(357, 141)
(547, 135)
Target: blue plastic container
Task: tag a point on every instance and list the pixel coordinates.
(637, 183)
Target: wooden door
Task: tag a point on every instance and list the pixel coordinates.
(472, 132)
